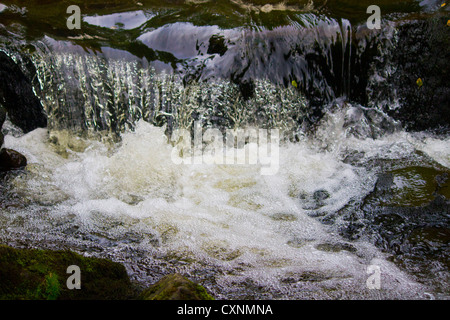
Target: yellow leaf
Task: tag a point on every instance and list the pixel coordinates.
(442, 5)
(448, 23)
(294, 83)
(419, 82)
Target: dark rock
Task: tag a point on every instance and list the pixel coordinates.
(10, 160)
(2, 120)
(368, 123)
(420, 52)
(217, 45)
(247, 89)
(17, 96)
(2, 116)
(42, 274)
(175, 287)
(384, 181)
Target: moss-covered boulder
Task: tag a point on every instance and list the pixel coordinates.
(27, 274)
(175, 287)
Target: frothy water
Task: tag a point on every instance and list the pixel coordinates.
(239, 232)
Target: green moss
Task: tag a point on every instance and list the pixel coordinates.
(49, 289)
(175, 287)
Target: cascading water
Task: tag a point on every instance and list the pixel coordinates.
(101, 179)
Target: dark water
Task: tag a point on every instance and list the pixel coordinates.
(363, 179)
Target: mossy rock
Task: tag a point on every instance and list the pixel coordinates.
(28, 274)
(175, 287)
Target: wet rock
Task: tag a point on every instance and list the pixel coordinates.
(368, 123)
(420, 52)
(2, 116)
(10, 160)
(42, 274)
(2, 120)
(217, 45)
(407, 216)
(354, 158)
(17, 96)
(384, 181)
(175, 287)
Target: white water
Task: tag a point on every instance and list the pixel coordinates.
(248, 230)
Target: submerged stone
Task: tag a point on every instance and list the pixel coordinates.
(335, 247)
(175, 287)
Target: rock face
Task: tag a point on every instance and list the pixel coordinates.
(42, 275)
(175, 287)
(17, 97)
(10, 160)
(421, 53)
(2, 120)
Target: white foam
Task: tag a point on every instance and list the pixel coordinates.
(225, 215)
(438, 149)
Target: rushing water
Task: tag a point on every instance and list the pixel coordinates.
(101, 179)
